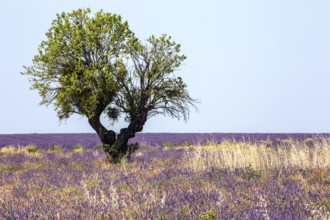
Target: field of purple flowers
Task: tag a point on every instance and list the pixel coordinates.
(91, 139)
(211, 179)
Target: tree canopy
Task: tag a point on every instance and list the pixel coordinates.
(91, 65)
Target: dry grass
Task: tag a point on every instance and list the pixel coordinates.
(28, 149)
(8, 149)
(235, 155)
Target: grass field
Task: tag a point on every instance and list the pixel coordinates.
(230, 180)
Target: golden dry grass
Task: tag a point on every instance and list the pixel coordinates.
(234, 155)
(8, 149)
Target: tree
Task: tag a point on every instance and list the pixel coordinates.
(94, 65)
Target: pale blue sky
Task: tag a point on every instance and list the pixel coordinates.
(256, 66)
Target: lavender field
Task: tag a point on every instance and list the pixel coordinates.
(91, 139)
(171, 176)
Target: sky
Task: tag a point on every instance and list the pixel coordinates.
(255, 66)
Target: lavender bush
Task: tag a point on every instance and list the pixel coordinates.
(230, 180)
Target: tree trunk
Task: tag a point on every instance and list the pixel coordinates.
(107, 137)
(117, 147)
(121, 146)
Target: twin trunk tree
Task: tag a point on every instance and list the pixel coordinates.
(95, 66)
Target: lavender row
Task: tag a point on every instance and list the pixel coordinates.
(89, 140)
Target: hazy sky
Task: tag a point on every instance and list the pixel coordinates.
(256, 66)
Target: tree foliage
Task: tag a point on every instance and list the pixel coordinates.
(91, 65)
